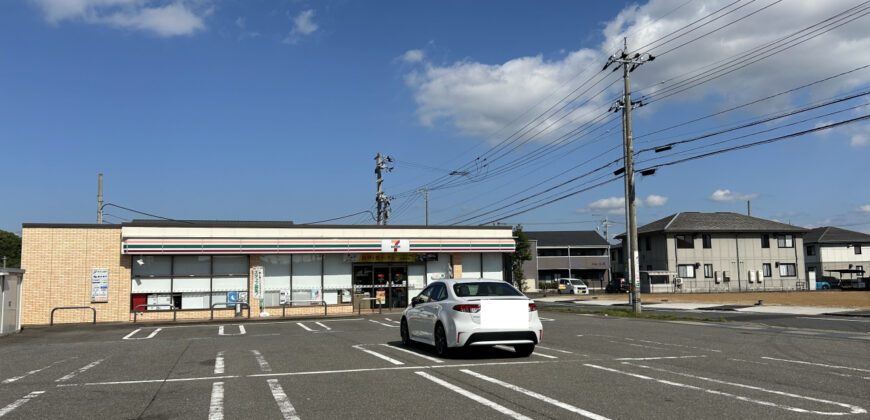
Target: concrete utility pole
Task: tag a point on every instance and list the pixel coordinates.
(381, 198)
(425, 192)
(748, 208)
(629, 63)
(100, 200)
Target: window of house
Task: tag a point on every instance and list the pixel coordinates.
(857, 249)
(647, 243)
(811, 250)
(765, 241)
(686, 270)
(552, 252)
(707, 240)
(708, 271)
(785, 241)
(765, 268)
(860, 268)
(588, 252)
(786, 270)
(685, 241)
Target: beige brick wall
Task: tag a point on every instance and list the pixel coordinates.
(457, 266)
(59, 261)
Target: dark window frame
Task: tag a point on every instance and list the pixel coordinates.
(692, 266)
(688, 242)
(766, 270)
(782, 241)
(708, 271)
(811, 251)
(788, 273)
(857, 249)
(707, 241)
(765, 241)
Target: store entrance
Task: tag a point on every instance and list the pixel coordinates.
(388, 283)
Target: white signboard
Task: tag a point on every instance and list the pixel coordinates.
(395, 245)
(257, 273)
(100, 285)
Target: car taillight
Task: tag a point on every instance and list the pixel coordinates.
(466, 307)
(532, 307)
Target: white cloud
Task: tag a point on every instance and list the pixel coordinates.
(303, 24)
(413, 56)
(172, 19)
(729, 196)
(461, 94)
(656, 200)
(859, 140)
(240, 22)
(616, 205)
(865, 208)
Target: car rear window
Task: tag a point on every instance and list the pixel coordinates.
(578, 283)
(485, 289)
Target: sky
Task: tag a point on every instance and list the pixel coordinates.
(275, 110)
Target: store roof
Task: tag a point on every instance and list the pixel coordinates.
(243, 224)
(568, 237)
(834, 235)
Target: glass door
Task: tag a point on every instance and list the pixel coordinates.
(382, 285)
(399, 286)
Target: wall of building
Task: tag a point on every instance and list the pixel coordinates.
(735, 256)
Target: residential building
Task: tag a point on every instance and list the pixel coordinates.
(695, 252)
(835, 254)
(164, 270)
(577, 254)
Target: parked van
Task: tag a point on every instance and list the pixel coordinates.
(572, 286)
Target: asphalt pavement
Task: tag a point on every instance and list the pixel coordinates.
(589, 366)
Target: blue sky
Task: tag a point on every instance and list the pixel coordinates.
(256, 110)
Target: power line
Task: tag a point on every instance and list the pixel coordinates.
(145, 214)
(369, 212)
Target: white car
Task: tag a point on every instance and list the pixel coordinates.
(572, 286)
(456, 313)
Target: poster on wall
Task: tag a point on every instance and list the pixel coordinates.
(100, 285)
(257, 274)
(315, 295)
(381, 295)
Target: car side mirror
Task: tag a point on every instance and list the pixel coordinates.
(416, 300)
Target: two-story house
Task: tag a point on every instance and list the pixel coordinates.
(692, 251)
(837, 255)
(583, 255)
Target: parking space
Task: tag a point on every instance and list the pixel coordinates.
(591, 367)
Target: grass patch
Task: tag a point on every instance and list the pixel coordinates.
(628, 313)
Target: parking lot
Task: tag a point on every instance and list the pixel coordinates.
(588, 366)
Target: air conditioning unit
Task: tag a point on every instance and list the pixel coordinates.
(678, 281)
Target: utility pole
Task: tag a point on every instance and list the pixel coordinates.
(425, 192)
(381, 198)
(748, 208)
(100, 200)
(629, 63)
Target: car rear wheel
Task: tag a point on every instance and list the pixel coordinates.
(825, 287)
(524, 350)
(441, 348)
(403, 330)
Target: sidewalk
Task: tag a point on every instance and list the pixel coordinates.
(769, 309)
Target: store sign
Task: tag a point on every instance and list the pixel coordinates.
(376, 258)
(257, 274)
(100, 285)
(395, 245)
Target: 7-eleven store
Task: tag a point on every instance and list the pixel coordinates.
(181, 270)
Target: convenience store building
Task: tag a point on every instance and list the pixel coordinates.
(182, 269)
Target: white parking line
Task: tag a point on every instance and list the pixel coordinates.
(264, 365)
(10, 380)
(569, 407)
(658, 358)
(219, 363)
(414, 353)
(544, 355)
(674, 345)
(546, 319)
(323, 325)
(386, 325)
(76, 372)
(305, 327)
(241, 330)
(552, 349)
(397, 322)
(8, 409)
(376, 354)
(853, 409)
(468, 394)
(816, 364)
(509, 348)
(130, 336)
(284, 405)
(216, 407)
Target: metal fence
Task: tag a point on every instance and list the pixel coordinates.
(707, 286)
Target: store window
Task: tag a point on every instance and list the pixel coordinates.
(163, 282)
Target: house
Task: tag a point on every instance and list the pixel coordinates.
(694, 252)
(835, 254)
(582, 254)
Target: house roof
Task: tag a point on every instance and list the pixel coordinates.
(690, 222)
(834, 235)
(568, 237)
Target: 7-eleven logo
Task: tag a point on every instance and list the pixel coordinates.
(395, 245)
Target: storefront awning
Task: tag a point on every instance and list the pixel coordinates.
(309, 246)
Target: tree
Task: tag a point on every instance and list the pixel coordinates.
(10, 247)
(521, 254)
